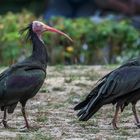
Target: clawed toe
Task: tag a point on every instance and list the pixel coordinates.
(4, 122)
(115, 126)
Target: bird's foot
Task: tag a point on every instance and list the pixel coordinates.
(138, 125)
(26, 127)
(114, 125)
(4, 122)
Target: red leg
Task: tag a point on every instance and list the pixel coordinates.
(135, 115)
(115, 118)
(25, 118)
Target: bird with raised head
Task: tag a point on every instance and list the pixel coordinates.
(119, 87)
(22, 80)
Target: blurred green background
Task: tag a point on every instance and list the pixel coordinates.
(105, 42)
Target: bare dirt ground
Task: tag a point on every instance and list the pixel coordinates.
(51, 110)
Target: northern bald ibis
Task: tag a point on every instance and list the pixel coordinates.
(23, 80)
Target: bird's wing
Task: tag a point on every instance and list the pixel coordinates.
(121, 82)
(25, 66)
(13, 68)
(131, 63)
(6, 76)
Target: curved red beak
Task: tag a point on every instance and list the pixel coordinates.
(51, 29)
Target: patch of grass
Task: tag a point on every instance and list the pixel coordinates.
(109, 114)
(127, 112)
(34, 136)
(56, 106)
(116, 138)
(88, 123)
(44, 90)
(92, 75)
(72, 96)
(59, 68)
(22, 137)
(41, 107)
(58, 89)
(98, 114)
(123, 132)
(41, 114)
(68, 80)
(70, 100)
(19, 114)
(110, 67)
(94, 130)
(81, 84)
(41, 118)
(71, 77)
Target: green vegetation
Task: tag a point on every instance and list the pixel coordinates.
(11, 44)
(119, 38)
(36, 136)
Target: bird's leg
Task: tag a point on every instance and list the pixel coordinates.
(25, 118)
(135, 115)
(115, 118)
(4, 118)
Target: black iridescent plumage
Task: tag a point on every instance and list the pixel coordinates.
(120, 87)
(22, 81)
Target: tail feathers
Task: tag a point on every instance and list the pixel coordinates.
(97, 98)
(81, 105)
(90, 96)
(87, 100)
(82, 111)
(85, 115)
(92, 104)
